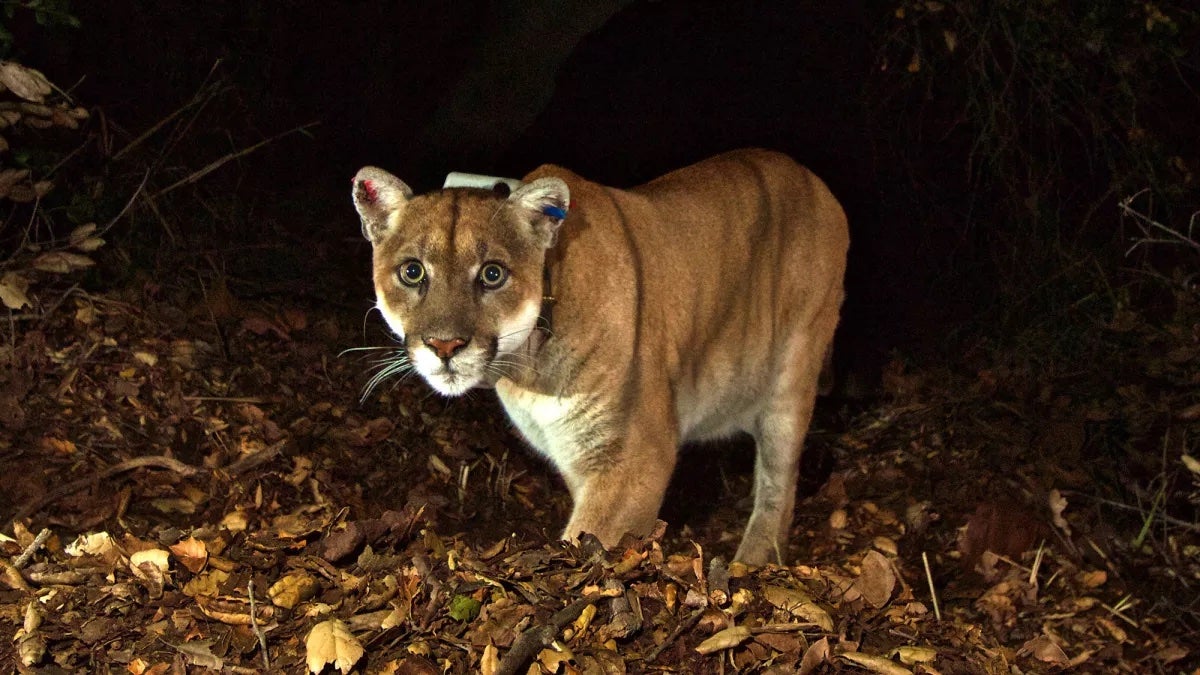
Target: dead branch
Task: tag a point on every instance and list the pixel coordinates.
(536, 639)
(218, 163)
(61, 491)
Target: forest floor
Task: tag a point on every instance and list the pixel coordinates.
(190, 483)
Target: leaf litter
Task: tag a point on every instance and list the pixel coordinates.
(201, 490)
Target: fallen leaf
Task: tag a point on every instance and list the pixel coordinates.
(726, 639)
(876, 664)
(157, 558)
(816, 654)
(912, 655)
(12, 291)
(26, 83)
(199, 653)
(877, 580)
(330, 642)
(61, 262)
(1190, 462)
(489, 662)
(1058, 504)
(1045, 649)
(293, 589)
(800, 605)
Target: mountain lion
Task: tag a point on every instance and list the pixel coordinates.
(617, 324)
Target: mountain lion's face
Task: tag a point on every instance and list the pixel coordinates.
(458, 273)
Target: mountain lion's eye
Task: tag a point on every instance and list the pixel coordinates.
(493, 275)
(411, 273)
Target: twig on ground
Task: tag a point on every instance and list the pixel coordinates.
(937, 610)
(258, 631)
(535, 639)
(61, 491)
(683, 626)
(32, 548)
(255, 460)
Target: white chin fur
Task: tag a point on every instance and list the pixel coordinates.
(456, 383)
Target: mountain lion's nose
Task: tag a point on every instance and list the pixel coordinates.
(446, 348)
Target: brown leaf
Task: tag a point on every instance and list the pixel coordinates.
(1004, 528)
(877, 580)
(192, 554)
(816, 654)
(1045, 649)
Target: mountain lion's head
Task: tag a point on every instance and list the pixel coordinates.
(458, 272)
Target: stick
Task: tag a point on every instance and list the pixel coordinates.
(262, 637)
(937, 611)
(684, 625)
(128, 465)
(218, 163)
(37, 542)
(536, 639)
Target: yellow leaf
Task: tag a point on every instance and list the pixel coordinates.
(293, 589)
(915, 64)
(331, 642)
(951, 39)
(876, 664)
(726, 639)
(912, 655)
(12, 291)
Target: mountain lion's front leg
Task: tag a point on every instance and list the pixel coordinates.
(621, 490)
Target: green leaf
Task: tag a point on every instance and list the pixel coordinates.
(464, 608)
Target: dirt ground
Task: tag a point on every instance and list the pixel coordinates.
(191, 483)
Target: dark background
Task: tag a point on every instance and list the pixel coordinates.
(623, 91)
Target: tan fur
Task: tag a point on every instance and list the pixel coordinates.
(692, 307)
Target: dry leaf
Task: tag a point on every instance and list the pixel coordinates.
(1058, 504)
(1044, 649)
(489, 662)
(876, 664)
(726, 639)
(877, 580)
(912, 655)
(192, 554)
(800, 605)
(30, 645)
(150, 565)
(1190, 462)
(331, 642)
(61, 262)
(12, 291)
(199, 653)
(27, 83)
(815, 655)
(90, 244)
(293, 589)
(98, 544)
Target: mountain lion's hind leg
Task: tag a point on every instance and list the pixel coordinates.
(779, 440)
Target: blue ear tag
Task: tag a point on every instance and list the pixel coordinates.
(554, 212)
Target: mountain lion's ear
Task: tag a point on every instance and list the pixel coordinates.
(544, 203)
(377, 195)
